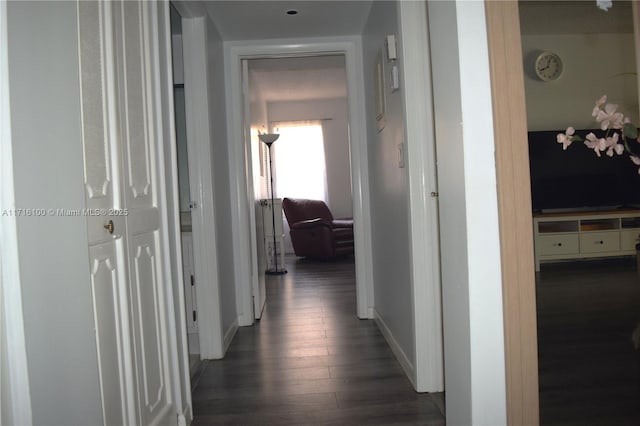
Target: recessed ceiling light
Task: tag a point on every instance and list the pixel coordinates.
(292, 12)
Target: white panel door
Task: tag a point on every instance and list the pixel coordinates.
(257, 277)
(107, 257)
(123, 216)
(138, 114)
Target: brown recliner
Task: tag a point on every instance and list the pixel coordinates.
(314, 232)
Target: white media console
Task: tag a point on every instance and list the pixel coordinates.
(559, 236)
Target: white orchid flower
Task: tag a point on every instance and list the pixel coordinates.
(566, 138)
(609, 118)
(613, 145)
(599, 103)
(592, 142)
(618, 131)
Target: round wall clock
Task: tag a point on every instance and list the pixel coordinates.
(548, 66)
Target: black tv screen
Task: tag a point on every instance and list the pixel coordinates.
(577, 179)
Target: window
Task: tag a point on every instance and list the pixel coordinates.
(298, 161)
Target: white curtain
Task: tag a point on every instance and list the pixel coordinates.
(299, 161)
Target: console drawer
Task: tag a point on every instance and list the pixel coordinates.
(599, 242)
(629, 239)
(548, 245)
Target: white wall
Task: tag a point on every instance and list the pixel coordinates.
(336, 144)
(470, 249)
(594, 65)
(389, 198)
(54, 263)
(221, 184)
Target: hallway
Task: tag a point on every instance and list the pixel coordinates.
(309, 360)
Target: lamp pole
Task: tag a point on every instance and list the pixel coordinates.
(269, 139)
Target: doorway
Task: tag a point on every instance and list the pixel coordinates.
(586, 309)
(304, 100)
(245, 244)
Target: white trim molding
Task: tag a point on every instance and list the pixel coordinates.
(401, 356)
(205, 251)
(423, 205)
(243, 250)
(15, 396)
(229, 334)
(173, 265)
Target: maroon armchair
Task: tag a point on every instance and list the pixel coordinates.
(314, 232)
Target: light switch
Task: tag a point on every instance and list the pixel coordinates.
(391, 47)
(394, 78)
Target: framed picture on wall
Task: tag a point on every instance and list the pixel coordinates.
(379, 91)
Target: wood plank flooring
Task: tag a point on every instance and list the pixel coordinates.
(310, 361)
(589, 371)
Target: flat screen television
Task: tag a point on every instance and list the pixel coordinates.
(577, 179)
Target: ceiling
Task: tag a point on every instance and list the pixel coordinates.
(255, 20)
(574, 17)
(293, 79)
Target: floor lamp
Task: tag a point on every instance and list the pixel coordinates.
(268, 139)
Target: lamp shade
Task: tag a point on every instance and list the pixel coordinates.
(268, 138)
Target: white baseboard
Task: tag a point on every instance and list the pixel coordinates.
(402, 358)
(244, 320)
(228, 335)
(185, 418)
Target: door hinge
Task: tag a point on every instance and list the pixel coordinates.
(193, 280)
(195, 316)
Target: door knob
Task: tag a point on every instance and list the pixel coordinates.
(109, 227)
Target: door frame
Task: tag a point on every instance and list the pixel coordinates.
(203, 218)
(170, 216)
(514, 206)
(423, 202)
(241, 211)
(258, 290)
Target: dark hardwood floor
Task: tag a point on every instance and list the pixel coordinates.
(589, 371)
(310, 361)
